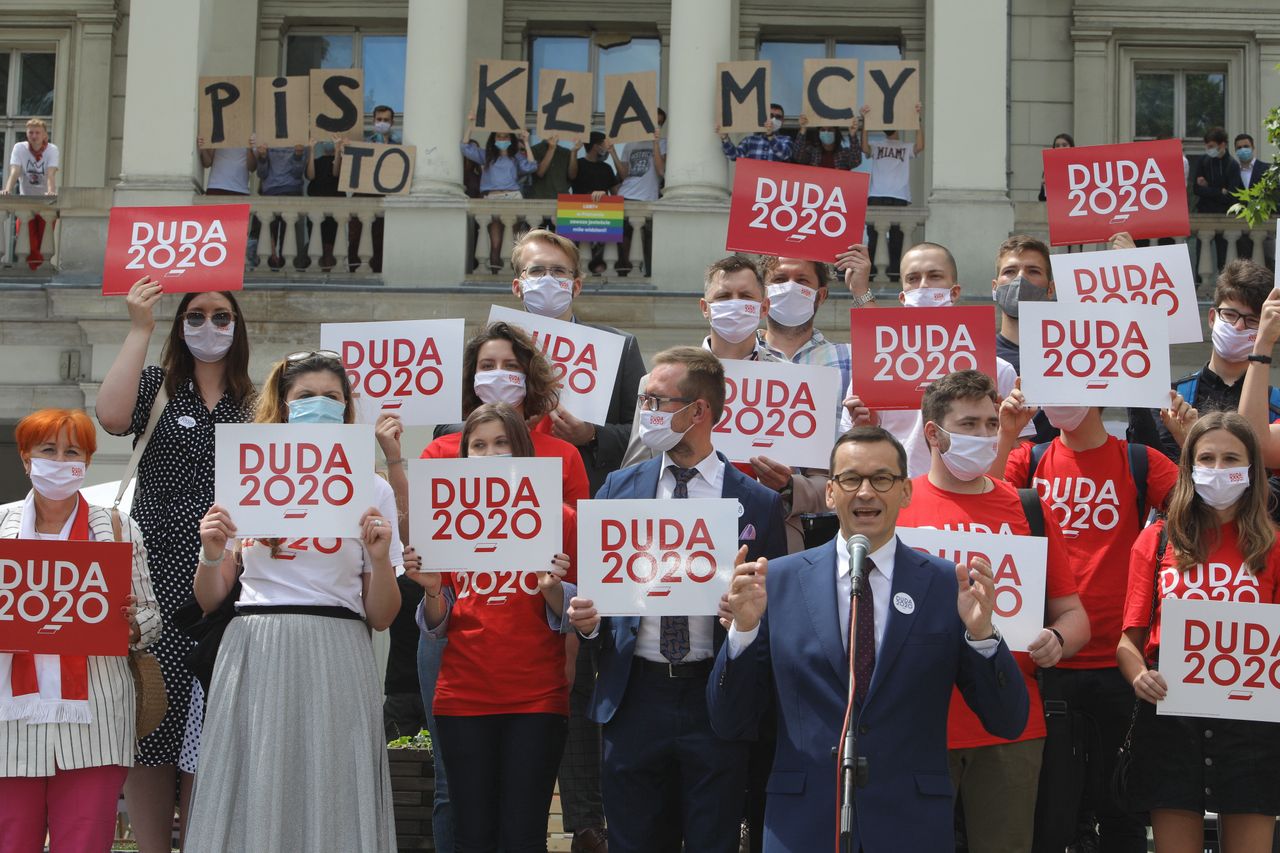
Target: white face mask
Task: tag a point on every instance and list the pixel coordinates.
(1220, 487)
(927, 297)
(499, 386)
(546, 295)
(56, 480)
(791, 304)
(207, 342)
(1231, 343)
(735, 320)
(656, 432)
(775, 123)
(969, 456)
(1065, 418)
(381, 126)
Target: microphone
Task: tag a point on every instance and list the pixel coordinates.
(859, 547)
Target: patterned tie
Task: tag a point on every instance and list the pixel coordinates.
(864, 664)
(673, 633)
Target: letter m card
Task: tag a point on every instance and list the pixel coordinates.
(795, 211)
(1095, 191)
(187, 249)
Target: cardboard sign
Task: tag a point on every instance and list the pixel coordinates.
(226, 111)
(631, 106)
(369, 167)
(578, 217)
(829, 96)
(64, 598)
(898, 352)
(281, 115)
(410, 367)
(486, 513)
(656, 558)
(1094, 355)
(337, 103)
(892, 89)
(795, 211)
(743, 95)
(1096, 191)
(780, 410)
(565, 108)
(294, 480)
(1220, 659)
(1156, 275)
(1018, 563)
(501, 95)
(585, 360)
(187, 249)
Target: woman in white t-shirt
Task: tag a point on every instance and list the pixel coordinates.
(293, 756)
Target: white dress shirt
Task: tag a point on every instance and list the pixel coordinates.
(707, 483)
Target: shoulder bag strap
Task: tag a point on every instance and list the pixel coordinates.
(157, 407)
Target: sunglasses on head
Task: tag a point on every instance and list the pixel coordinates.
(306, 355)
(221, 319)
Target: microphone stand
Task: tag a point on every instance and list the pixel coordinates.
(854, 770)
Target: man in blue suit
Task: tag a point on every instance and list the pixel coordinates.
(667, 777)
(922, 626)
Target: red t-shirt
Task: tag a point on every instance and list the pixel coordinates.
(998, 511)
(502, 656)
(1225, 577)
(576, 487)
(1095, 502)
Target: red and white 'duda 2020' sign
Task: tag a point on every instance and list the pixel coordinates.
(186, 249)
(294, 480)
(795, 211)
(656, 557)
(783, 411)
(1094, 354)
(1095, 191)
(486, 513)
(64, 597)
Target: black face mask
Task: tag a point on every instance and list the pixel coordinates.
(1017, 290)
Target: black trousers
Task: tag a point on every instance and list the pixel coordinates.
(895, 234)
(580, 767)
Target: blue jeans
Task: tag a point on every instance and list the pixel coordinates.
(430, 652)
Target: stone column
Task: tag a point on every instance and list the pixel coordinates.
(966, 100)
(86, 161)
(426, 230)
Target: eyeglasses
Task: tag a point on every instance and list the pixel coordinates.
(1233, 316)
(653, 402)
(221, 319)
(853, 482)
(558, 273)
(306, 355)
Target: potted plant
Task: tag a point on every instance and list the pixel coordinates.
(413, 787)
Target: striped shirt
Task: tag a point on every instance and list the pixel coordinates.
(41, 750)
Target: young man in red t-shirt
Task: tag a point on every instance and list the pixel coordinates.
(1085, 477)
(995, 778)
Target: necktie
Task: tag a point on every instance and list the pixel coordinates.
(673, 633)
(864, 662)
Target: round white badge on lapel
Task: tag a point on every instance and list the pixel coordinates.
(186, 421)
(904, 603)
(741, 509)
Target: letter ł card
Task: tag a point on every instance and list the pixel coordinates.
(783, 411)
(565, 105)
(337, 103)
(742, 96)
(1154, 275)
(829, 95)
(282, 111)
(377, 169)
(226, 111)
(187, 249)
(656, 557)
(500, 95)
(631, 106)
(585, 360)
(891, 88)
(294, 480)
(486, 513)
(64, 597)
(795, 211)
(412, 368)
(1094, 355)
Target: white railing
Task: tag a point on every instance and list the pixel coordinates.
(883, 219)
(17, 214)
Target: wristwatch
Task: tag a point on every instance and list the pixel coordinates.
(864, 299)
(995, 635)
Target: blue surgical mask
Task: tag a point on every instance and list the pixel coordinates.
(826, 137)
(317, 410)
(1245, 154)
(502, 144)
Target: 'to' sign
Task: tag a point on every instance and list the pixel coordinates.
(795, 211)
(188, 249)
(1097, 190)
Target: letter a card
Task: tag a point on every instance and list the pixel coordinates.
(492, 513)
(1094, 355)
(295, 480)
(656, 557)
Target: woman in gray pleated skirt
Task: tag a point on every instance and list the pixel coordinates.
(293, 758)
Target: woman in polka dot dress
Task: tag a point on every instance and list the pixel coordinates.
(204, 367)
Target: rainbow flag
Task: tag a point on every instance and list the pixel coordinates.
(580, 218)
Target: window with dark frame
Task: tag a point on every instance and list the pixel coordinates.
(1178, 103)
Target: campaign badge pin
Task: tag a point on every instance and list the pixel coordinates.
(186, 421)
(904, 603)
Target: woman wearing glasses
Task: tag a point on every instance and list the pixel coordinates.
(204, 373)
(294, 756)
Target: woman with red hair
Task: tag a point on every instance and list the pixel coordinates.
(67, 721)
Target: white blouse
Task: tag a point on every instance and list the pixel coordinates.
(43, 749)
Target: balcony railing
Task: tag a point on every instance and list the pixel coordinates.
(25, 250)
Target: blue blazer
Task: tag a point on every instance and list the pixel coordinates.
(762, 511)
(902, 725)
